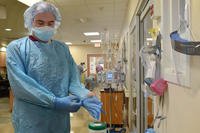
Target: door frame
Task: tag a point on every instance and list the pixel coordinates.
(141, 119)
(95, 55)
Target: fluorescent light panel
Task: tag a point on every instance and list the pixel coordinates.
(8, 29)
(95, 41)
(91, 33)
(3, 49)
(149, 39)
(29, 2)
(68, 43)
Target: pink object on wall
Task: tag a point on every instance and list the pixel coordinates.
(159, 86)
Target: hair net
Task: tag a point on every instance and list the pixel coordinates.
(41, 7)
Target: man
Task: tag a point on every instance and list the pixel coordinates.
(81, 68)
(81, 71)
(42, 74)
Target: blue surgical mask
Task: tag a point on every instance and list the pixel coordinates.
(44, 33)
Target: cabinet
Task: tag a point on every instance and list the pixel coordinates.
(113, 106)
(150, 115)
(11, 100)
(2, 59)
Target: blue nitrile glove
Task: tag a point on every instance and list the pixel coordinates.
(69, 103)
(150, 130)
(93, 105)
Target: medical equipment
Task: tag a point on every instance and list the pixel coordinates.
(112, 98)
(113, 76)
(110, 77)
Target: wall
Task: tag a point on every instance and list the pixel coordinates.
(79, 52)
(195, 26)
(125, 38)
(132, 5)
(182, 104)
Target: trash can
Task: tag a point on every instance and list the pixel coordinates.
(97, 127)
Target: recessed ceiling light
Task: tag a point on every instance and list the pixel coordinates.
(91, 33)
(8, 29)
(95, 41)
(149, 39)
(3, 49)
(68, 43)
(29, 2)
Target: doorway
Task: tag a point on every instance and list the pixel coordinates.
(145, 105)
(93, 61)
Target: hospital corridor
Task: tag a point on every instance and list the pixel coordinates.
(99, 66)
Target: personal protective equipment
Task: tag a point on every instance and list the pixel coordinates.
(184, 45)
(150, 130)
(41, 7)
(70, 103)
(38, 74)
(93, 106)
(44, 33)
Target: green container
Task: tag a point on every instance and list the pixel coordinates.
(97, 127)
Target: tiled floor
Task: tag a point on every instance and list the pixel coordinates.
(79, 121)
(5, 119)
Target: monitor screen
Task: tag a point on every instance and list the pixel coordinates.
(109, 76)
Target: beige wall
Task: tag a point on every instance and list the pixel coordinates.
(195, 63)
(130, 12)
(79, 52)
(182, 110)
(182, 105)
(129, 15)
(125, 31)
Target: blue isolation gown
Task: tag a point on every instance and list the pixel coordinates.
(38, 72)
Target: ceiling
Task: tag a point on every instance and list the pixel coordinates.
(78, 16)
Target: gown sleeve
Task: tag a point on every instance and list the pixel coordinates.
(75, 87)
(23, 86)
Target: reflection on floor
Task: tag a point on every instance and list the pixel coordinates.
(5, 119)
(79, 121)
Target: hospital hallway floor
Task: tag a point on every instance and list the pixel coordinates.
(79, 120)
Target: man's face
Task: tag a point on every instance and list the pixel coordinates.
(44, 19)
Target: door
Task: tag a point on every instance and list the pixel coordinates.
(93, 62)
(146, 24)
(144, 102)
(133, 92)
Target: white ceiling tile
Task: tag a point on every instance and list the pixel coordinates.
(100, 15)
